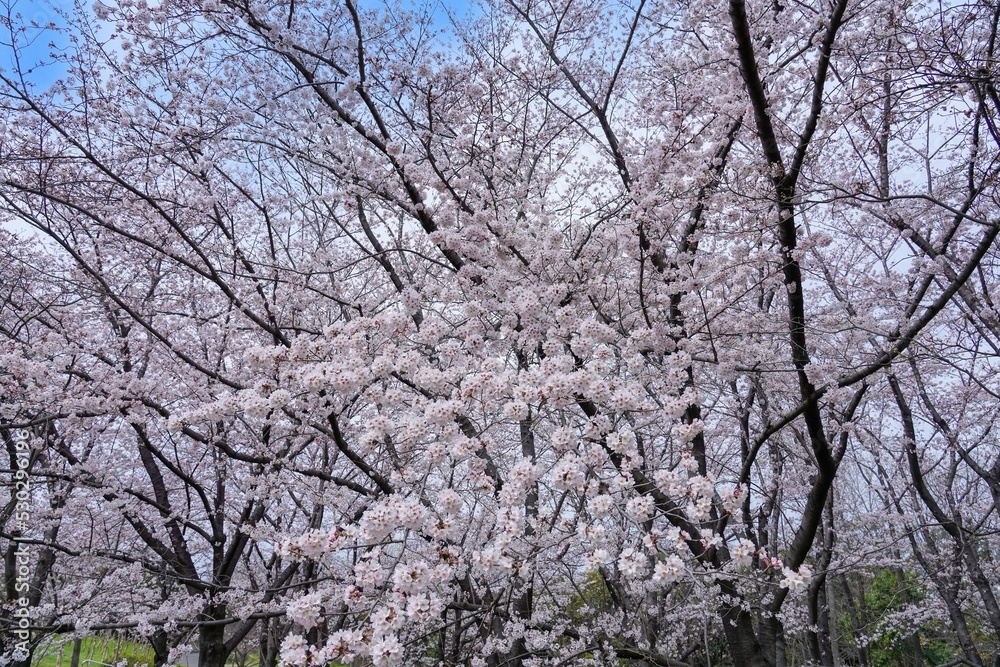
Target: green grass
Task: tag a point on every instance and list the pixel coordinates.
(107, 650)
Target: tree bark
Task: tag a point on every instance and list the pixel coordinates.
(861, 650)
(212, 650)
(74, 660)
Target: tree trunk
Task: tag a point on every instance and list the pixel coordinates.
(161, 648)
(744, 647)
(831, 621)
(212, 650)
(772, 639)
(916, 654)
(268, 645)
(861, 650)
(27, 661)
(74, 660)
(826, 653)
(960, 626)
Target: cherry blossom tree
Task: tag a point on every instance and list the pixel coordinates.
(564, 334)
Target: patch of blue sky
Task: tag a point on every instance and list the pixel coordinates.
(33, 34)
(459, 9)
(32, 37)
(442, 12)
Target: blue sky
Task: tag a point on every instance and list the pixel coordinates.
(28, 19)
(25, 23)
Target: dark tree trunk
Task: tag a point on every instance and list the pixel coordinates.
(212, 651)
(161, 648)
(772, 640)
(27, 661)
(861, 650)
(268, 644)
(74, 660)
(961, 628)
(823, 622)
(744, 646)
(913, 641)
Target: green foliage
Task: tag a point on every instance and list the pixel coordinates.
(890, 591)
(594, 595)
(937, 651)
(887, 593)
